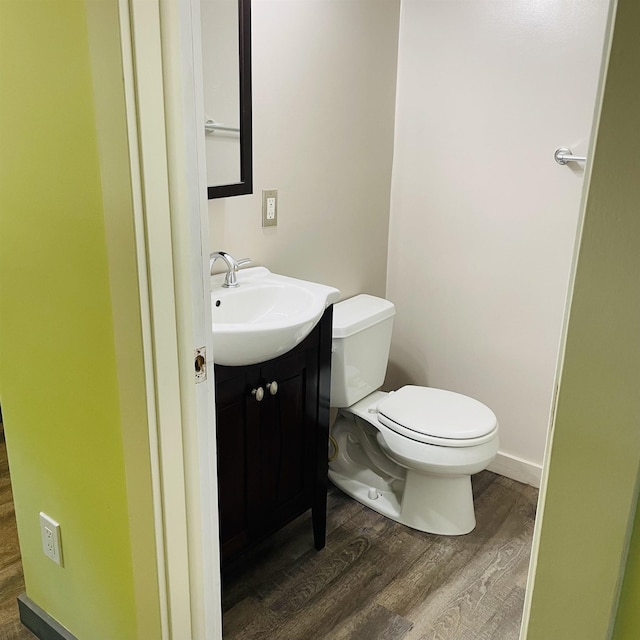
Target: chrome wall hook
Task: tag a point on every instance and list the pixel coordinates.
(564, 155)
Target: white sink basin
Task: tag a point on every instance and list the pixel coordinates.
(265, 316)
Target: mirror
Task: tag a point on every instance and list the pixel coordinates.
(226, 70)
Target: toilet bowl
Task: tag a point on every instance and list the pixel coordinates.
(407, 454)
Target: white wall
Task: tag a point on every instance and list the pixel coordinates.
(324, 76)
(483, 221)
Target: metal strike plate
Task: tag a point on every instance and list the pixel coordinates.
(200, 364)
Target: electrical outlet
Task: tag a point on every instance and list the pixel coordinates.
(269, 207)
(51, 540)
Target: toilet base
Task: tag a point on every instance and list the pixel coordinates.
(441, 505)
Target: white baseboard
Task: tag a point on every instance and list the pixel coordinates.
(517, 469)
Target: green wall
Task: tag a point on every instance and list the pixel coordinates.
(591, 491)
(627, 625)
(77, 448)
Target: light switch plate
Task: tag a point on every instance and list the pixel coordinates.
(269, 207)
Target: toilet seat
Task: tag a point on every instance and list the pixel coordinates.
(438, 417)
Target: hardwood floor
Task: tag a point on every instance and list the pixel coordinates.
(375, 580)
(11, 580)
(378, 580)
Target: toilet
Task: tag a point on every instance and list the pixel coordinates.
(408, 454)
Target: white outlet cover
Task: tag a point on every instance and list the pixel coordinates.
(51, 541)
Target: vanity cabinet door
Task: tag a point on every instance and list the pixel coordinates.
(288, 422)
(237, 416)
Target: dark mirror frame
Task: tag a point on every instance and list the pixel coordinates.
(245, 186)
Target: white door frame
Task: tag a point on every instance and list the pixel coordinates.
(184, 105)
(168, 181)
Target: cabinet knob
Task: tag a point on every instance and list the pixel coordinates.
(273, 387)
(258, 393)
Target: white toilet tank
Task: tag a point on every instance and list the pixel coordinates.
(362, 328)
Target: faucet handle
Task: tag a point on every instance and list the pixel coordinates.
(232, 266)
(231, 280)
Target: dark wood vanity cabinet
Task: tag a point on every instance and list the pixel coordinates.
(272, 452)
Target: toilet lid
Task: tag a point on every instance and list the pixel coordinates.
(426, 414)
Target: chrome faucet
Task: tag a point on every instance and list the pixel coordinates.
(232, 267)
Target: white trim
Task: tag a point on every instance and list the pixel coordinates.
(142, 62)
(145, 306)
(516, 468)
(180, 32)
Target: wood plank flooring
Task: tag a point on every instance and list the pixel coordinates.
(375, 580)
(378, 580)
(11, 579)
